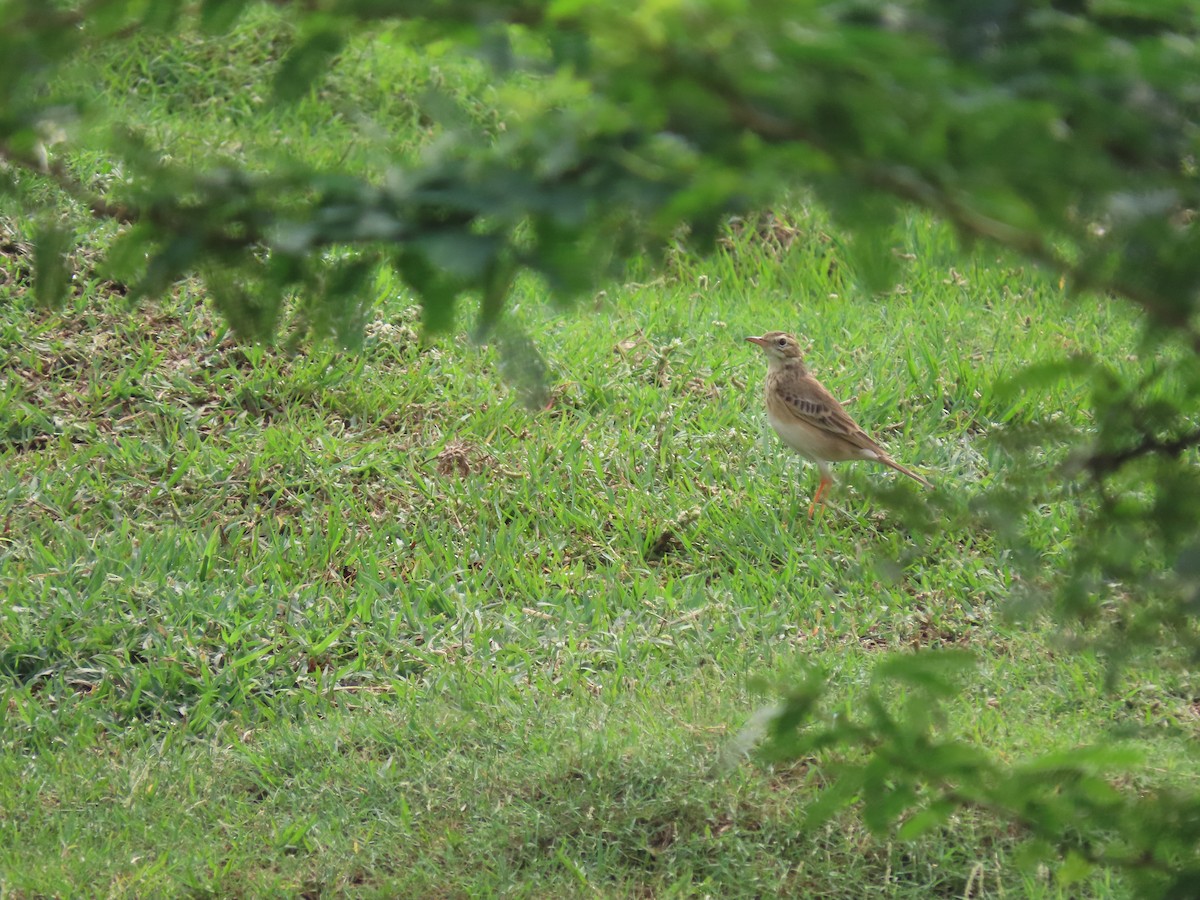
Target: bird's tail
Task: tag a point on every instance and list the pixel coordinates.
(888, 461)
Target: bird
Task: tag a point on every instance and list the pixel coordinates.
(809, 420)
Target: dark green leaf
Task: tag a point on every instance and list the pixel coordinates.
(127, 255)
(1183, 885)
(1042, 375)
(935, 671)
(52, 274)
(161, 16)
(495, 291)
(218, 16)
(1095, 758)
(525, 368)
(466, 257)
(437, 294)
(925, 820)
(843, 791)
(1073, 869)
(168, 265)
(882, 807)
(306, 63)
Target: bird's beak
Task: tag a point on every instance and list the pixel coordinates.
(757, 340)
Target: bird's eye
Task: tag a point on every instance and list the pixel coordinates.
(782, 342)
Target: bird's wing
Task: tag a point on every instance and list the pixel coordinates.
(810, 402)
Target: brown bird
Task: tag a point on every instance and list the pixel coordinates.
(808, 418)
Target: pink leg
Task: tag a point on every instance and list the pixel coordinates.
(822, 488)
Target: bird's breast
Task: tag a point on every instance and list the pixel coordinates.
(814, 443)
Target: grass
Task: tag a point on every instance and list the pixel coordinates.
(367, 625)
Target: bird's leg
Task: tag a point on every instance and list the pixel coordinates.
(821, 489)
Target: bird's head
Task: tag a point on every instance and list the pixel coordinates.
(779, 346)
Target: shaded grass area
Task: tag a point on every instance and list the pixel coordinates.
(367, 624)
(474, 786)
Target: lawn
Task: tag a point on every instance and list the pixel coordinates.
(367, 623)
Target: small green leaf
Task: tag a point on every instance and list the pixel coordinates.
(1073, 869)
(936, 672)
(925, 820)
(306, 63)
(437, 294)
(51, 273)
(524, 367)
(161, 16)
(886, 801)
(127, 255)
(833, 799)
(1085, 759)
(954, 757)
(250, 303)
(168, 265)
(218, 16)
(1043, 375)
(346, 300)
(464, 256)
(496, 283)
(799, 704)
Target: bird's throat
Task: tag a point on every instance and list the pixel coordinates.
(778, 366)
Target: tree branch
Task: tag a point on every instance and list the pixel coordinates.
(1100, 464)
(72, 187)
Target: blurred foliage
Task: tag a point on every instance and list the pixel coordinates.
(890, 753)
(1065, 131)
